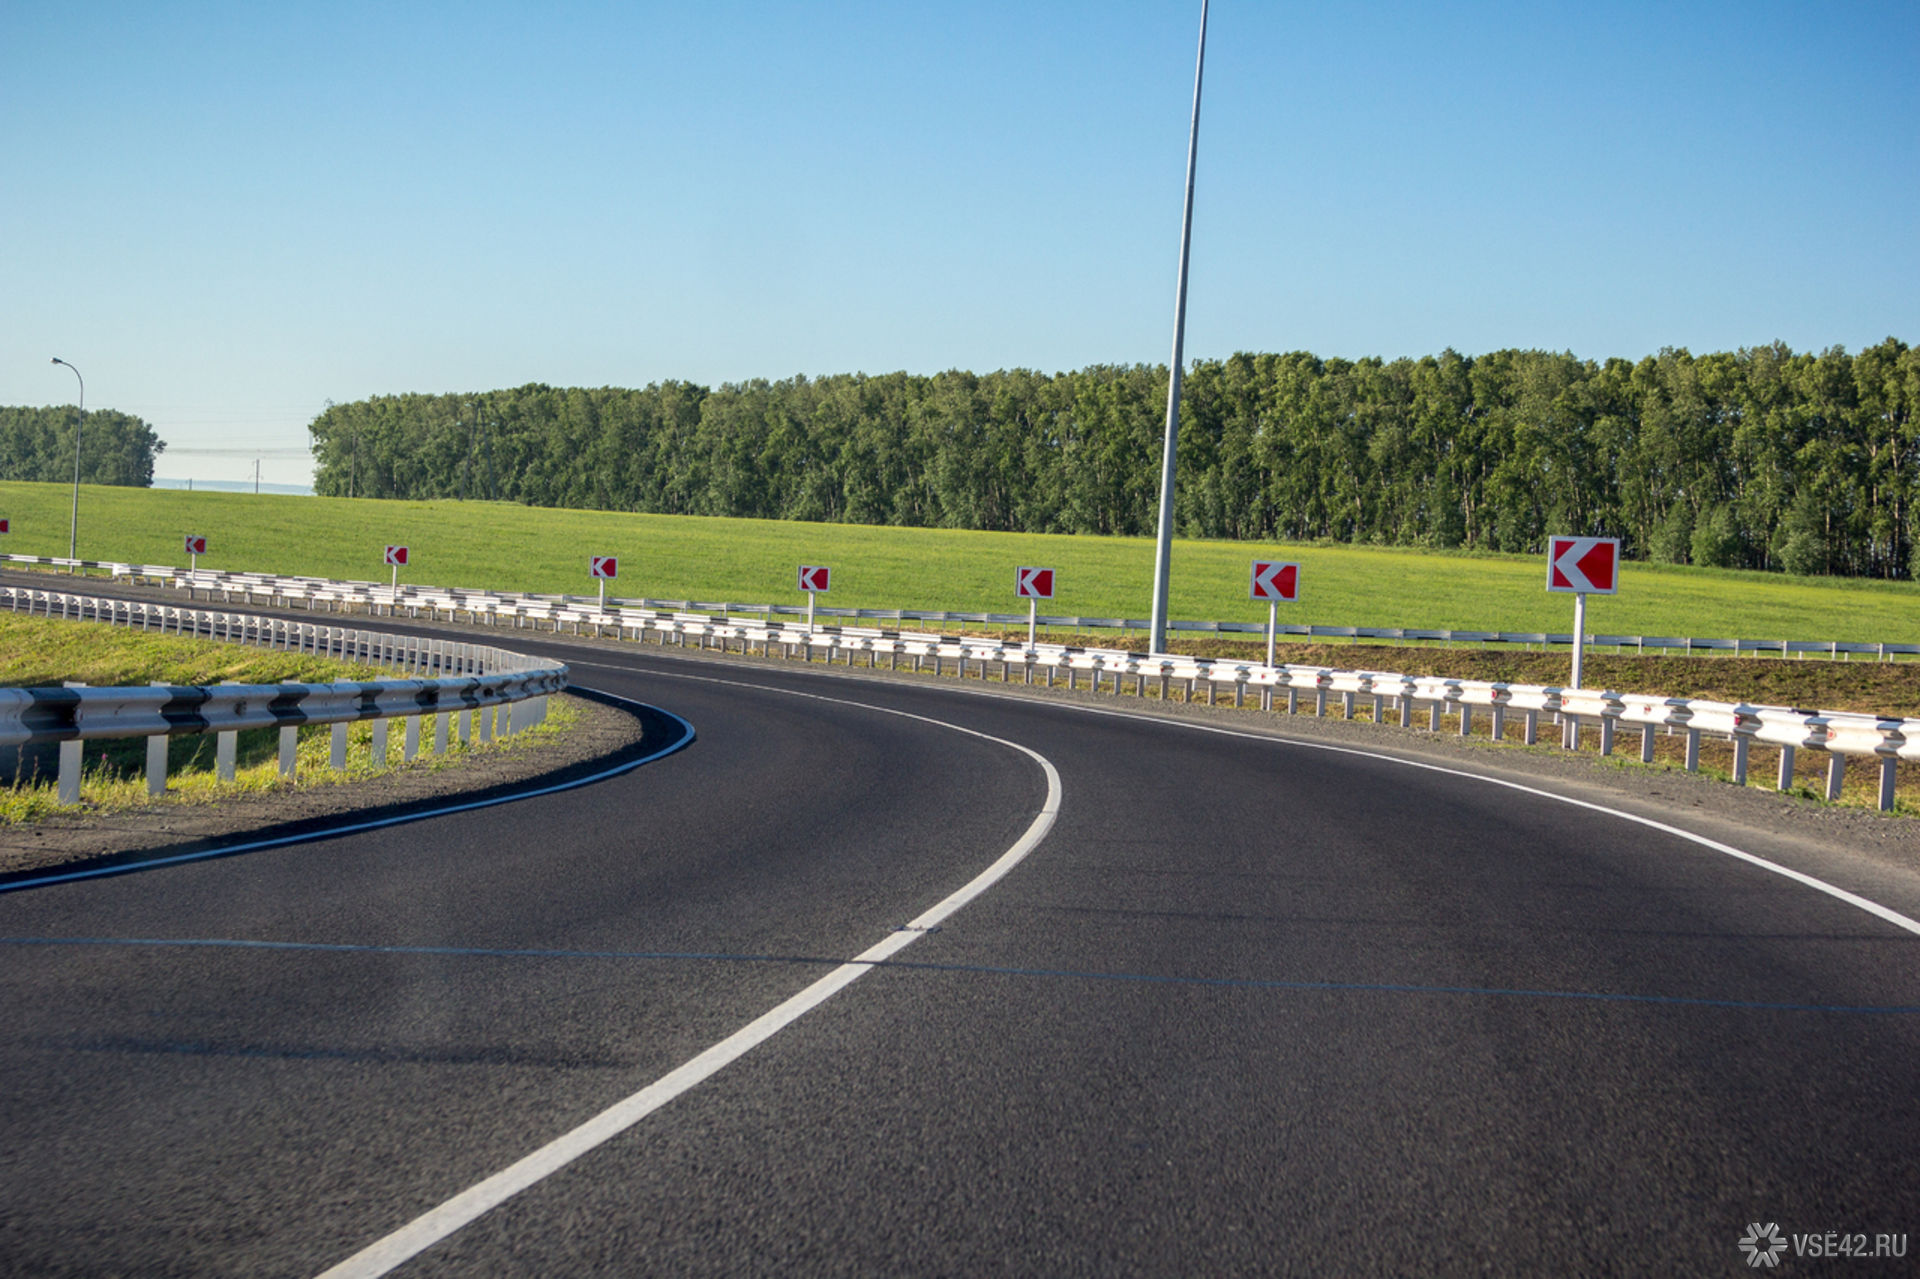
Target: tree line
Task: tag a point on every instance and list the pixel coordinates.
(1758, 458)
(115, 448)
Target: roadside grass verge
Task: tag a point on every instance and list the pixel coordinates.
(502, 546)
(36, 652)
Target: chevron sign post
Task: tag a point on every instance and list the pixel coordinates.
(814, 578)
(603, 567)
(1033, 585)
(1582, 566)
(1274, 581)
(196, 547)
(396, 556)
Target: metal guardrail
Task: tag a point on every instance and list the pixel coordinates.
(316, 590)
(1841, 734)
(457, 686)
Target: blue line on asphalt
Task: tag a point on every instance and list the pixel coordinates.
(228, 850)
(1226, 983)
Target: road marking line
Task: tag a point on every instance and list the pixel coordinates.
(382, 1256)
(1885, 913)
(1873, 908)
(354, 828)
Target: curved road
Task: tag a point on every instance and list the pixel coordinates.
(1250, 1005)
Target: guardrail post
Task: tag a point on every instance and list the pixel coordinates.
(1499, 729)
(1606, 734)
(1466, 720)
(410, 740)
(1836, 774)
(380, 743)
(1646, 743)
(157, 759)
(440, 732)
(1320, 701)
(289, 751)
(1888, 764)
(337, 749)
(486, 723)
(1693, 750)
(1433, 716)
(1740, 741)
(1786, 768)
(72, 756)
(1531, 733)
(1346, 705)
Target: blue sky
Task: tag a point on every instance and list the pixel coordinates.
(226, 215)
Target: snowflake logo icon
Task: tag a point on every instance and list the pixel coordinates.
(1763, 1244)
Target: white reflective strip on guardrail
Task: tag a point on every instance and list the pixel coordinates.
(451, 677)
(1840, 733)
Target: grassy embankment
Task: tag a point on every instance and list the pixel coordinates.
(37, 653)
(510, 547)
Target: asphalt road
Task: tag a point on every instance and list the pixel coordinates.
(1251, 1005)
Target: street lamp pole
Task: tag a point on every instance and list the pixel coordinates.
(73, 529)
(1163, 552)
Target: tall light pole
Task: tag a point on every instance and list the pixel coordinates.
(73, 529)
(1163, 553)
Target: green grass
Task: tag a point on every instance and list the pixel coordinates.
(113, 777)
(39, 652)
(507, 547)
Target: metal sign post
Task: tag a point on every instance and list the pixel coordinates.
(1582, 566)
(1580, 640)
(1034, 585)
(1274, 581)
(814, 577)
(603, 567)
(396, 556)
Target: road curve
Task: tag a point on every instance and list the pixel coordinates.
(1251, 1006)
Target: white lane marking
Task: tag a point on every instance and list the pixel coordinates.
(1873, 908)
(353, 828)
(1885, 913)
(383, 1255)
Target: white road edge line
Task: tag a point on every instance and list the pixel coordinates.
(383, 1255)
(1885, 913)
(353, 828)
(1873, 908)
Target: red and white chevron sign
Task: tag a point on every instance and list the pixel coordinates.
(196, 545)
(814, 578)
(603, 566)
(396, 555)
(3, 527)
(1273, 580)
(1583, 565)
(1033, 583)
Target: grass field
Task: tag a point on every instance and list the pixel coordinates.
(39, 652)
(508, 547)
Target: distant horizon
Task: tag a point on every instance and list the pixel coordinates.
(239, 217)
(229, 486)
